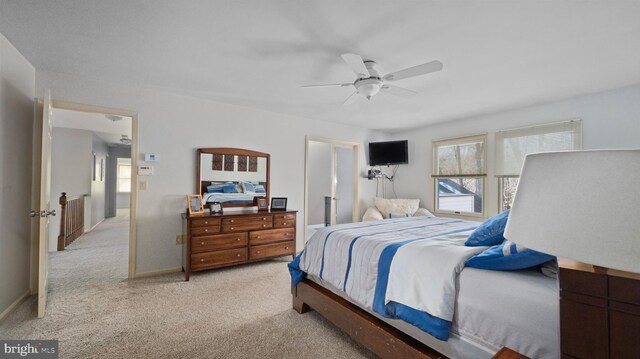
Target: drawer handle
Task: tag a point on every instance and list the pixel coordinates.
(238, 239)
(238, 255)
(287, 247)
(232, 221)
(264, 225)
(258, 237)
(232, 228)
(264, 218)
(205, 222)
(286, 234)
(206, 230)
(257, 252)
(202, 243)
(284, 224)
(202, 260)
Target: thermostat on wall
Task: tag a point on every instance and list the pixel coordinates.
(145, 170)
(151, 157)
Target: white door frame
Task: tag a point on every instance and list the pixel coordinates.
(355, 146)
(134, 163)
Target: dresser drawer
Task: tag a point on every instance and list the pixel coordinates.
(206, 260)
(205, 222)
(271, 235)
(592, 284)
(284, 220)
(204, 231)
(219, 241)
(247, 223)
(272, 250)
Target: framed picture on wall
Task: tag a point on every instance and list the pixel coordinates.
(96, 168)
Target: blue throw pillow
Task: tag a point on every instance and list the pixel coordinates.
(258, 188)
(230, 188)
(248, 187)
(490, 233)
(507, 256)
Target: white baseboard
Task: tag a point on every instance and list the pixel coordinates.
(13, 305)
(94, 227)
(159, 272)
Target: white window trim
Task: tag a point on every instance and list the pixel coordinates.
(459, 140)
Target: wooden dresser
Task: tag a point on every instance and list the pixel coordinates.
(221, 240)
(599, 312)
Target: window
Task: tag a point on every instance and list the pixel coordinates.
(459, 170)
(124, 175)
(513, 145)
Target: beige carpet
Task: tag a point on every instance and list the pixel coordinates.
(240, 312)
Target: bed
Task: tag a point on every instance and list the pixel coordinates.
(403, 285)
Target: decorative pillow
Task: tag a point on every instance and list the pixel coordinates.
(490, 233)
(507, 256)
(398, 215)
(258, 188)
(396, 205)
(230, 187)
(423, 212)
(215, 187)
(248, 187)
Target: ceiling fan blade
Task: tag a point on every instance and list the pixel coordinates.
(351, 99)
(398, 91)
(356, 64)
(423, 69)
(329, 85)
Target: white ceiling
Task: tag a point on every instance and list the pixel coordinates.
(497, 54)
(109, 131)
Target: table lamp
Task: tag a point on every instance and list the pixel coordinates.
(580, 205)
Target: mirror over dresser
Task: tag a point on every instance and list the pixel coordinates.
(241, 234)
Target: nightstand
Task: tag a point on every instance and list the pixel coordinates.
(599, 312)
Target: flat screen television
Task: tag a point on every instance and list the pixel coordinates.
(388, 153)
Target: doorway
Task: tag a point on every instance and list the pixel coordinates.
(90, 185)
(331, 183)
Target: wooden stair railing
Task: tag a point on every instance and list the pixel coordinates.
(71, 219)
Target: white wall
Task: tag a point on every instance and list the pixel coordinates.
(175, 126)
(71, 165)
(17, 90)
(115, 199)
(98, 187)
(610, 120)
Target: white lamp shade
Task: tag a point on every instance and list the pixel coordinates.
(580, 205)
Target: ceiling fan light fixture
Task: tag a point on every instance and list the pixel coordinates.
(368, 87)
(125, 140)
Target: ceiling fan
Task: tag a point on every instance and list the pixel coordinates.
(370, 82)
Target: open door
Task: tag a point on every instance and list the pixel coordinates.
(44, 210)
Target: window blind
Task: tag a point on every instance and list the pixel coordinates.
(513, 145)
(460, 157)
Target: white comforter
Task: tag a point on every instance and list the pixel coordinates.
(411, 261)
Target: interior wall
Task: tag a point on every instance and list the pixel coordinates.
(174, 126)
(98, 185)
(319, 180)
(344, 185)
(71, 170)
(17, 91)
(611, 119)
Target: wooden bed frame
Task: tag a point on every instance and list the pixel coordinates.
(379, 337)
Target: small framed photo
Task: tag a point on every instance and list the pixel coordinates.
(279, 204)
(215, 208)
(262, 203)
(194, 204)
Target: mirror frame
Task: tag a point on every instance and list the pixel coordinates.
(232, 151)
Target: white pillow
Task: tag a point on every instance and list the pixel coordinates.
(396, 205)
